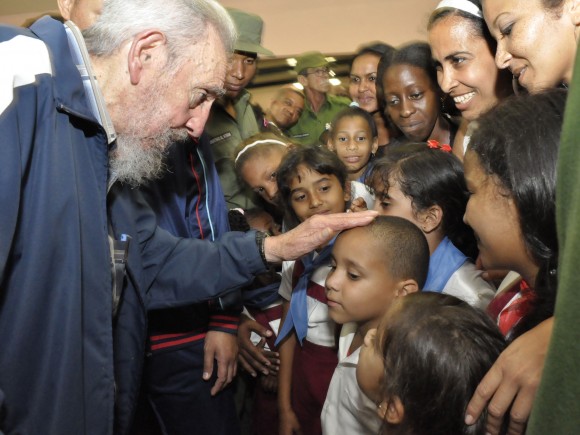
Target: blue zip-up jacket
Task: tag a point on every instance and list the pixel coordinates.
(65, 366)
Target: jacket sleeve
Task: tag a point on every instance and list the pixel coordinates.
(179, 271)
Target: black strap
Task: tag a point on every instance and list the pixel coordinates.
(120, 255)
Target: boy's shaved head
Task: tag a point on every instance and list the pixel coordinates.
(403, 245)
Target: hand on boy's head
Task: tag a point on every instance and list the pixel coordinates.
(512, 382)
(314, 232)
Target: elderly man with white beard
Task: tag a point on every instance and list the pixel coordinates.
(83, 119)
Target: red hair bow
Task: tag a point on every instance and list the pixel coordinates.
(433, 144)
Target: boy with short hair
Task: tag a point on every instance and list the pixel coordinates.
(370, 267)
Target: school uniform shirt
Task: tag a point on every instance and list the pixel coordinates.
(311, 125)
(225, 133)
(320, 326)
(347, 410)
(467, 284)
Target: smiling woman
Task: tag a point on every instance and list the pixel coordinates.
(536, 39)
(464, 50)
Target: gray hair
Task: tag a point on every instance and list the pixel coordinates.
(184, 22)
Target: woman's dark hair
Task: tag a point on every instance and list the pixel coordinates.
(378, 49)
(319, 159)
(428, 177)
(417, 54)
(351, 112)
(436, 349)
(517, 142)
(478, 26)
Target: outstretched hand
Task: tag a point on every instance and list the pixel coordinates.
(312, 233)
(254, 358)
(512, 381)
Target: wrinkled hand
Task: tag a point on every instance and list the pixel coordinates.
(223, 348)
(253, 358)
(312, 233)
(358, 205)
(514, 378)
(289, 424)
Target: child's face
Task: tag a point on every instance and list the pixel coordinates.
(264, 222)
(313, 193)
(359, 287)
(353, 142)
(259, 172)
(494, 219)
(370, 370)
(393, 202)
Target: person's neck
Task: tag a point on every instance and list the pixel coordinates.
(383, 133)
(529, 272)
(315, 98)
(361, 331)
(229, 107)
(354, 176)
(434, 238)
(441, 131)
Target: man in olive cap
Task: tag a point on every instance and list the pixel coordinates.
(232, 118)
(321, 107)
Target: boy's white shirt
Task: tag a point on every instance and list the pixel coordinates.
(320, 326)
(347, 410)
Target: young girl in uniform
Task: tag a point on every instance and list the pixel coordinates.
(424, 362)
(256, 162)
(425, 184)
(353, 137)
(311, 180)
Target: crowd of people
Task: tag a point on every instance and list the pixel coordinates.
(176, 260)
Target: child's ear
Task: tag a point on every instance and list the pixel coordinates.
(391, 411)
(330, 145)
(407, 287)
(431, 218)
(347, 192)
(375, 146)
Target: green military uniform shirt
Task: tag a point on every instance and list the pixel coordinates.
(311, 125)
(225, 133)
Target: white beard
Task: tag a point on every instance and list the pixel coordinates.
(136, 160)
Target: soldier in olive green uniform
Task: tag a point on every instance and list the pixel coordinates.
(321, 107)
(232, 119)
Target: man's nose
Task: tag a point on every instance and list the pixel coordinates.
(198, 117)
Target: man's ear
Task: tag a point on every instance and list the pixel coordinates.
(65, 6)
(407, 287)
(430, 219)
(145, 48)
(391, 411)
(302, 80)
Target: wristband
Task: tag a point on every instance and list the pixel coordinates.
(260, 238)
